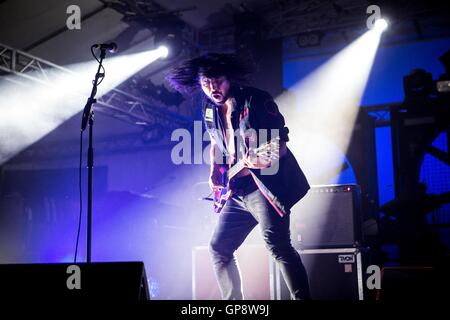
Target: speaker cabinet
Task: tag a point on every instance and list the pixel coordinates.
(333, 274)
(124, 281)
(329, 216)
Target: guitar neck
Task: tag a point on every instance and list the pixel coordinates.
(234, 170)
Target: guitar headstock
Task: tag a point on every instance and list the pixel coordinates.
(269, 151)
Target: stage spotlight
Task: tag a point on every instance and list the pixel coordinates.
(171, 39)
(163, 51)
(381, 25)
(309, 39)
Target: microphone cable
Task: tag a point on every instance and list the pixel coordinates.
(80, 195)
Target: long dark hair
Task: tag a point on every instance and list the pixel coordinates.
(184, 77)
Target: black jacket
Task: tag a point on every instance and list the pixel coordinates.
(255, 109)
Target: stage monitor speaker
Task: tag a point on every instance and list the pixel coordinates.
(333, 274)
(329, 216)
(124, 281)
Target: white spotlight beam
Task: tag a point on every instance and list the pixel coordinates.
(321, 109)
(52, 94)
(22, 68)
(322, 118)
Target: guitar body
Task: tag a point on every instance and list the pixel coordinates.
(221, 195)
(269, 150)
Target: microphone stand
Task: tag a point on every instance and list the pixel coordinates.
(88, 117)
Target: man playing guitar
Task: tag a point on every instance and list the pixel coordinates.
(251, 163)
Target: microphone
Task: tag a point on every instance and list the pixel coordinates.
(111, 47)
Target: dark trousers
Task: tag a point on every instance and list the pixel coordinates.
(239, 216)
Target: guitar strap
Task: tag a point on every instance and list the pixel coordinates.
(276, 204)
(210, 116)
(217, 131)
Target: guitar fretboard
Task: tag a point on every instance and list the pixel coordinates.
(234, 170)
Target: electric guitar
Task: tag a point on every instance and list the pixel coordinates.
(268, 151)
